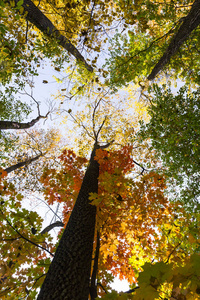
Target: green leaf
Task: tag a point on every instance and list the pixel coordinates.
(19, 3)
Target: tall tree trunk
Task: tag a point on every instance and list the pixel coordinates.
(36, 17)
(68, 277)
(190, 22)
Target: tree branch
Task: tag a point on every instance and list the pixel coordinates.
(132, 290)
(48, 207)
(103, 288)
(106, 145)
(80, 123)
(100, 127)
(94, 112)
(173, 250)
(190, 22)
(143, 169)
(51, 226)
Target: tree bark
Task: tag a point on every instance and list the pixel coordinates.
(36, 17)
(93, 285)
(68, 277)
(190, 22)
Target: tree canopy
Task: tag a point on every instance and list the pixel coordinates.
(119, 169)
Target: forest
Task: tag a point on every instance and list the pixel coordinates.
(99, 149)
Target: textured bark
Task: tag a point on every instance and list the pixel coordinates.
(93, 285)
(51, 226)
(68, 277)
(5, 125)
(190, 22)
(36, 17)
(21, 164)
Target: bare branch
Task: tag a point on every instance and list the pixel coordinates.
(26, 35)
(49, 208)
(173, 250)
(143, 169)
(81, 124)
(93, 117)
(6, 125)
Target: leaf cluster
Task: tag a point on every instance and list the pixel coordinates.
(19, 245)
(173, 130)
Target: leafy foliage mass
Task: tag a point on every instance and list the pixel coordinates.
(174, 132)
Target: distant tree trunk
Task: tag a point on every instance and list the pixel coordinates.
(5, 125)
(190, 22)
(22, 164)
(68, 277)
(36, 17)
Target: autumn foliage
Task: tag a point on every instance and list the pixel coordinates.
(63, 184)
(130, 212)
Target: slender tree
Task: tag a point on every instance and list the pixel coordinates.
(189, 23)
(33, 14)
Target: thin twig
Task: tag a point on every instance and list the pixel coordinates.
(172, 252)
(26, 35)
(98, 283)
